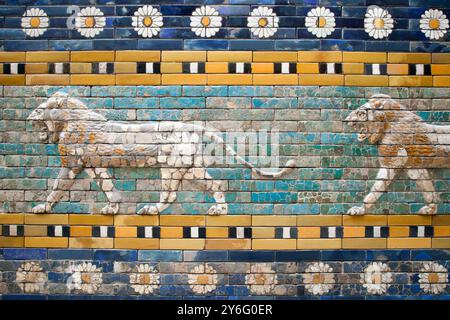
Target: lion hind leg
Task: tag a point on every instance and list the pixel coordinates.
(103, 179)
(425, 183)
(384, 179)
(204, 181)
(171, 180)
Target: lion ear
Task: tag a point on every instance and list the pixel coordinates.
(61, 99)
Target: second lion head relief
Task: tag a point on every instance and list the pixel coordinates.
(87, 141)
(405, 143)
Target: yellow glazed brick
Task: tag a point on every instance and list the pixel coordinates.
(410, 81)
(228, 244)
(186, 244)
(184, 221)
(440, 57)
(92, 56)
(409, 220)
(440, 69)
(366, 80)
(90, 219)
(397, 57)
(172, 232)
(95, 243)
(364, 243)
(46, 218)
(439, 220)
(126, 232)
(308, 68)
(9, 79)
(131, 243)
(408, 243)
(11, 218)
(229, 79)
(308, 232)
(263, 232)
(216, 67)
(442, 231)
(353, 68)
(46, 79)
(36, 68)
(229, 221)
(217, 232)
(180, 56)
(321, 79)
(230, 56)
(395, 68)
(274, 244)
(319, 220)
(35, 231)
(92, 79)
(1, 68)
(125, 67)
(262, 67)
(80, 231)
(275, 79)
(441, 81)
(366, 220)
(274, 56)
(48, 56)
(366, 57)
(319, 244)
(46, 242)
(171, 67)
(138, 56)
(11, 242)
(134, 220)
(319, 56)
(354, 232)
(435, 243)
(398, 232)
(138, 79)
(272, 221)
(12, 56)
(191, 79)
(80, 67)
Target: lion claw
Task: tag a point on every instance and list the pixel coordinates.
(41, 208)
(111, 209)
(428, 210)
(217, 210)
(356, 211)
(150, 210)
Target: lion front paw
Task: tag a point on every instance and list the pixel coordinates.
(218, 210)
(428, 210)
(111, 209)
(356, 211)
(151, 210)
(42, 208)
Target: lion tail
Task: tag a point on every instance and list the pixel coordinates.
(290, 165)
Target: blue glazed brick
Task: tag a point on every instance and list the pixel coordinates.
(205, 255)
(252, 44)
(203, 44)
(419, 255)
(297, 255)
(160, 255)
(116, 255)
(70, 254)
(25, 45)
(158, 91)
(73, 45)
(252, 256)
(205, 91)
(343, 255)
(389, 255)
(181, 103)
(24, 254)
(160, 44)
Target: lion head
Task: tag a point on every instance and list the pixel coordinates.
(373, 119)
(52, 116)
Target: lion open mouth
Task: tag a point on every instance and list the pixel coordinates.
(42, 128)
(361, 129)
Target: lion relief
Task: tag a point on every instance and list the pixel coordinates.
(405, 143)
(87, 141)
